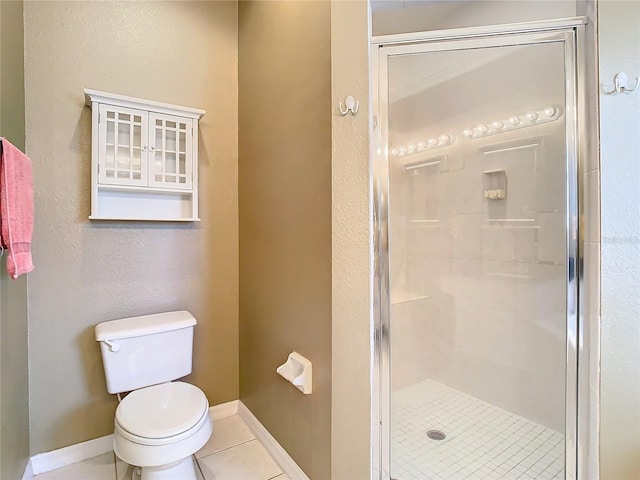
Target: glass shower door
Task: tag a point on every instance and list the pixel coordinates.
(480, 177)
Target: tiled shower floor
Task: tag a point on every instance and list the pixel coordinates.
(483, 442)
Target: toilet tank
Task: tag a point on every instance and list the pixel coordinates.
(146, 350)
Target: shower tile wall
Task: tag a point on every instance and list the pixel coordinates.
(478, 296)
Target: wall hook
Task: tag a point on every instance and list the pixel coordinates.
(351, 106)
(620, 84)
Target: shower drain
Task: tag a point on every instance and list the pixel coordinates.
(436, 435)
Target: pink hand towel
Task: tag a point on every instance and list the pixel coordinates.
(16, 208)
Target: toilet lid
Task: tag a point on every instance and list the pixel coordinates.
(162, 410)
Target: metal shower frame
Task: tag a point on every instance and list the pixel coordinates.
(571, 33)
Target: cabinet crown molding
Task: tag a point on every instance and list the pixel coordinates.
(95, 96)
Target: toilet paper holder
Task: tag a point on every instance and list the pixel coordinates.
(297, 370)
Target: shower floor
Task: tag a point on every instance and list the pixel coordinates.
(482, 441)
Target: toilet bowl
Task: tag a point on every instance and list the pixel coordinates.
(161, 423)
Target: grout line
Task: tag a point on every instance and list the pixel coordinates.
(227, 448)
(199, 468)
(115, 466)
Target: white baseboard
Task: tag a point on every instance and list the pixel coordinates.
(223, 410)
(28, 472)
(45, 462)
(279, 454)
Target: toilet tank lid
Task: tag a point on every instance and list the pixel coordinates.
(144, 325)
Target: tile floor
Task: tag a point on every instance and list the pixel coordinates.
(232, 453)
(483, 442)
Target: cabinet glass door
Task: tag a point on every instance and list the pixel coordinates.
(171, 152)
(122, 158)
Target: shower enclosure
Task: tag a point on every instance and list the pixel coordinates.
(476, 252)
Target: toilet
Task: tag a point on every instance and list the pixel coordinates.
(162, 422)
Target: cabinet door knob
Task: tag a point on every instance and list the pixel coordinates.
(152, 149)
(144, 148)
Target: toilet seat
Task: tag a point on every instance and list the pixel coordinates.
(146, 452)
(162, 414)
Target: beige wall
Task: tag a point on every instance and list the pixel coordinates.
(285, 220)
(14, 374)
(351, 237)
(619, 47)
(177, 52)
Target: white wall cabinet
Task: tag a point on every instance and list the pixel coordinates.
(144, 159)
